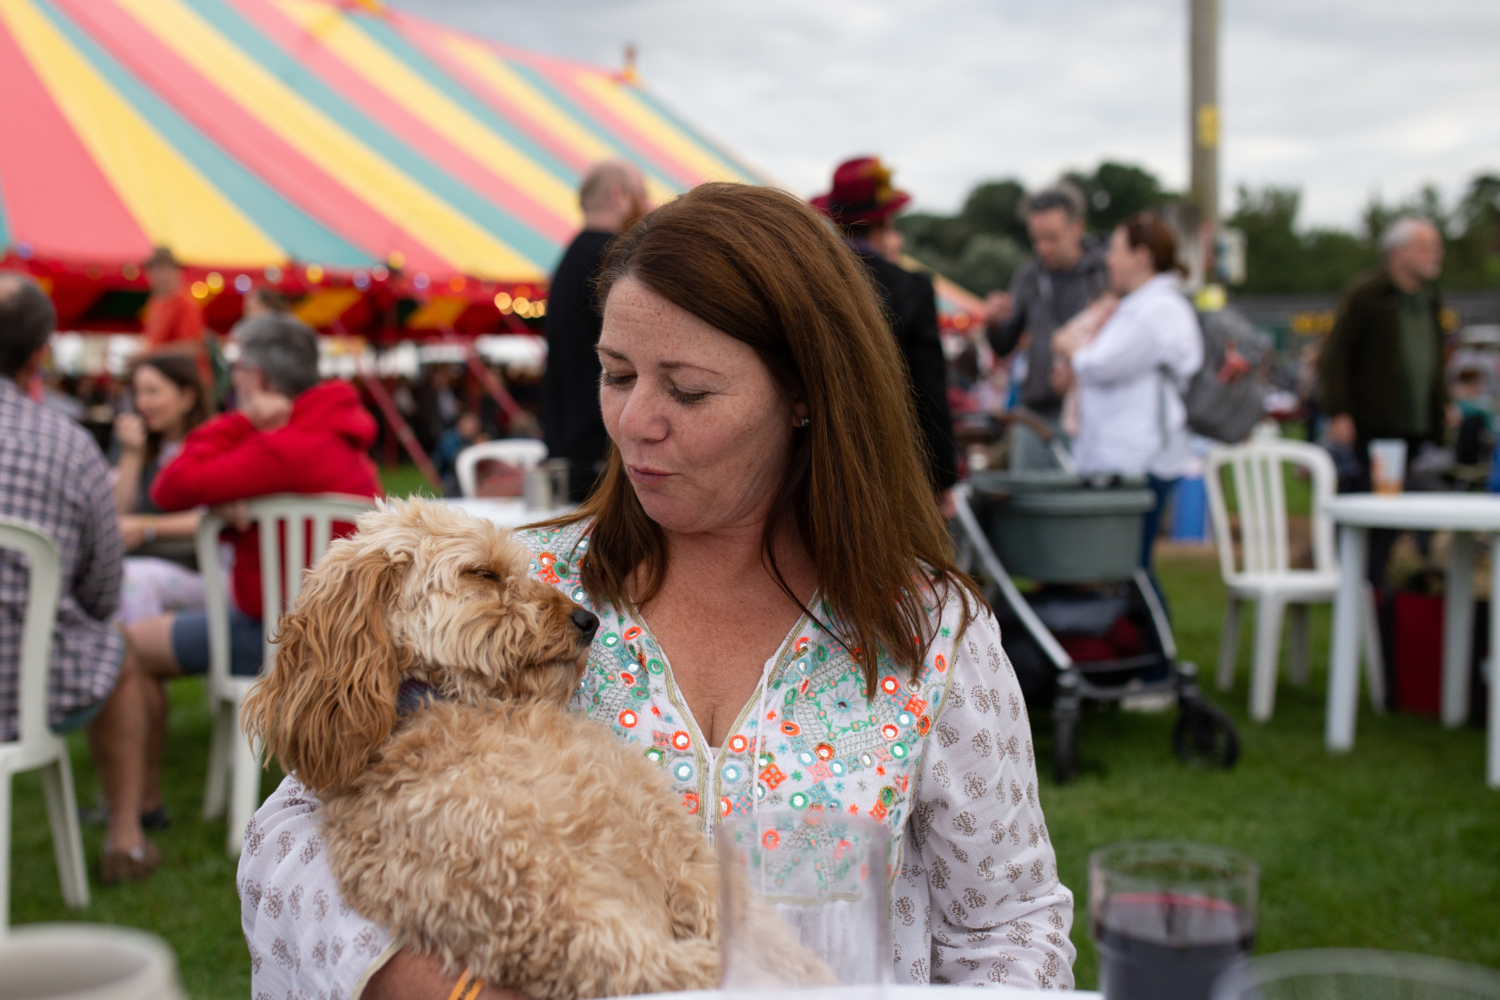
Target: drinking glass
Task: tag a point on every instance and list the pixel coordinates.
(557, 481)
(546, 487)
(1356, 974)
(1168, 917)
(1388, 465)
(805, 900)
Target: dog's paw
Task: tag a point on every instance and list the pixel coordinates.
(691, 965)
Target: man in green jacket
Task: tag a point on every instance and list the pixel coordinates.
(1381, 370)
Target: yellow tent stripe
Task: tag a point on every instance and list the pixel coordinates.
(408, 204)
(342, 36)
(171, 201)
(323, 307)
(617, 97)
(517, 90)
(437, 312)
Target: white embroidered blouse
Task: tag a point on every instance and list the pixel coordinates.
(945, 761)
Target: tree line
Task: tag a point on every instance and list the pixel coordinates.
(981, 246)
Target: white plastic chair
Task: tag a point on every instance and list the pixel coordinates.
(36, 746)
(521, 453)
(1265, 574)
(231, 755)
(88, 962)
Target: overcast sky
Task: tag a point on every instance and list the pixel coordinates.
(1342, 98)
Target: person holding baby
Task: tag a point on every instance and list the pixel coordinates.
(764, 528)
(1124, 364)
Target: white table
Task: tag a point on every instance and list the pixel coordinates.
(507, 512)
(1461, 513)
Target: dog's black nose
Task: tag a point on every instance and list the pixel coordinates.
(587, 622)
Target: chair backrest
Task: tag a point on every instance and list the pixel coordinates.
(42, 590)
(1260, 498)
(522, 453)
(295, 513)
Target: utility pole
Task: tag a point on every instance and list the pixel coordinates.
(1203, 123)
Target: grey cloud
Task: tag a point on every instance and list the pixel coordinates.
(1341, 97)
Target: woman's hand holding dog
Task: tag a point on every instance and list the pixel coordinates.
(411, 975)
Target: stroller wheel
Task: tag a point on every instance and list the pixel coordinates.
(1204, 736)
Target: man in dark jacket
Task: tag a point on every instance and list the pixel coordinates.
(863, 203)
(1380, 373)
(613, 196)
(1381, 370)
(1065, 275)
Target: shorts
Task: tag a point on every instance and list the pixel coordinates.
(78, 718)
(190, 643)
(156, 587)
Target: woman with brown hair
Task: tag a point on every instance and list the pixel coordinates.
(168, 401)
(783, 626)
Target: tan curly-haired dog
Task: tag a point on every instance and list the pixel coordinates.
(488, 825)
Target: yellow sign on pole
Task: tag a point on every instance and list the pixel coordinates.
(1208, 126)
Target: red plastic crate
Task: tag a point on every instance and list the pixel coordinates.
(1419, 653)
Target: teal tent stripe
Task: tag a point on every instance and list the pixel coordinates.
(418, 61)
(526, 241)
(4, 224)
(589, 123)
(299, 234)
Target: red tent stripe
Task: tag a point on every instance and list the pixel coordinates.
(56, 198)
(401, 123)
(245, 138)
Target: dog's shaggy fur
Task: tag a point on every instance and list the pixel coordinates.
(491, 828)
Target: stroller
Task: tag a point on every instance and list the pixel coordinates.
(1104, 642)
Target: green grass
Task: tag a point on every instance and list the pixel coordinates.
(190, 900)
(405, 480)
(1392, 846)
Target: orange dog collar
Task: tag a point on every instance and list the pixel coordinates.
(468, 986)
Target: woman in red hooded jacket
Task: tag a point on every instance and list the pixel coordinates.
(291, 434)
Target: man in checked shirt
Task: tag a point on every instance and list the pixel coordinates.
(53, 477)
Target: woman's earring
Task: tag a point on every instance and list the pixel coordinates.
(805, 422)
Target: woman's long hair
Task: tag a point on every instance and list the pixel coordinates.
(182, 371)
(765, 269)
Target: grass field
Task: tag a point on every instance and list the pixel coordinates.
(1396, 845)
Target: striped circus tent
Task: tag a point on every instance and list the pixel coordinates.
(390, 173)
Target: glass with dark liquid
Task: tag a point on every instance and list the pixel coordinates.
(1168, 917)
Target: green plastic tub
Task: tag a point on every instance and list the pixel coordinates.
(1069, 535)
(1005, 482)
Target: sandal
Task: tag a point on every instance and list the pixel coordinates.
(119, 866)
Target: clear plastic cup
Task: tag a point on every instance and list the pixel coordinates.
(1168, 917)
(1356, 974)
(1388, 466)
(806, 901)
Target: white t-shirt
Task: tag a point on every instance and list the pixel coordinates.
(1125, 398)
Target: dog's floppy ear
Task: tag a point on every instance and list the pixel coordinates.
(331, 699)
